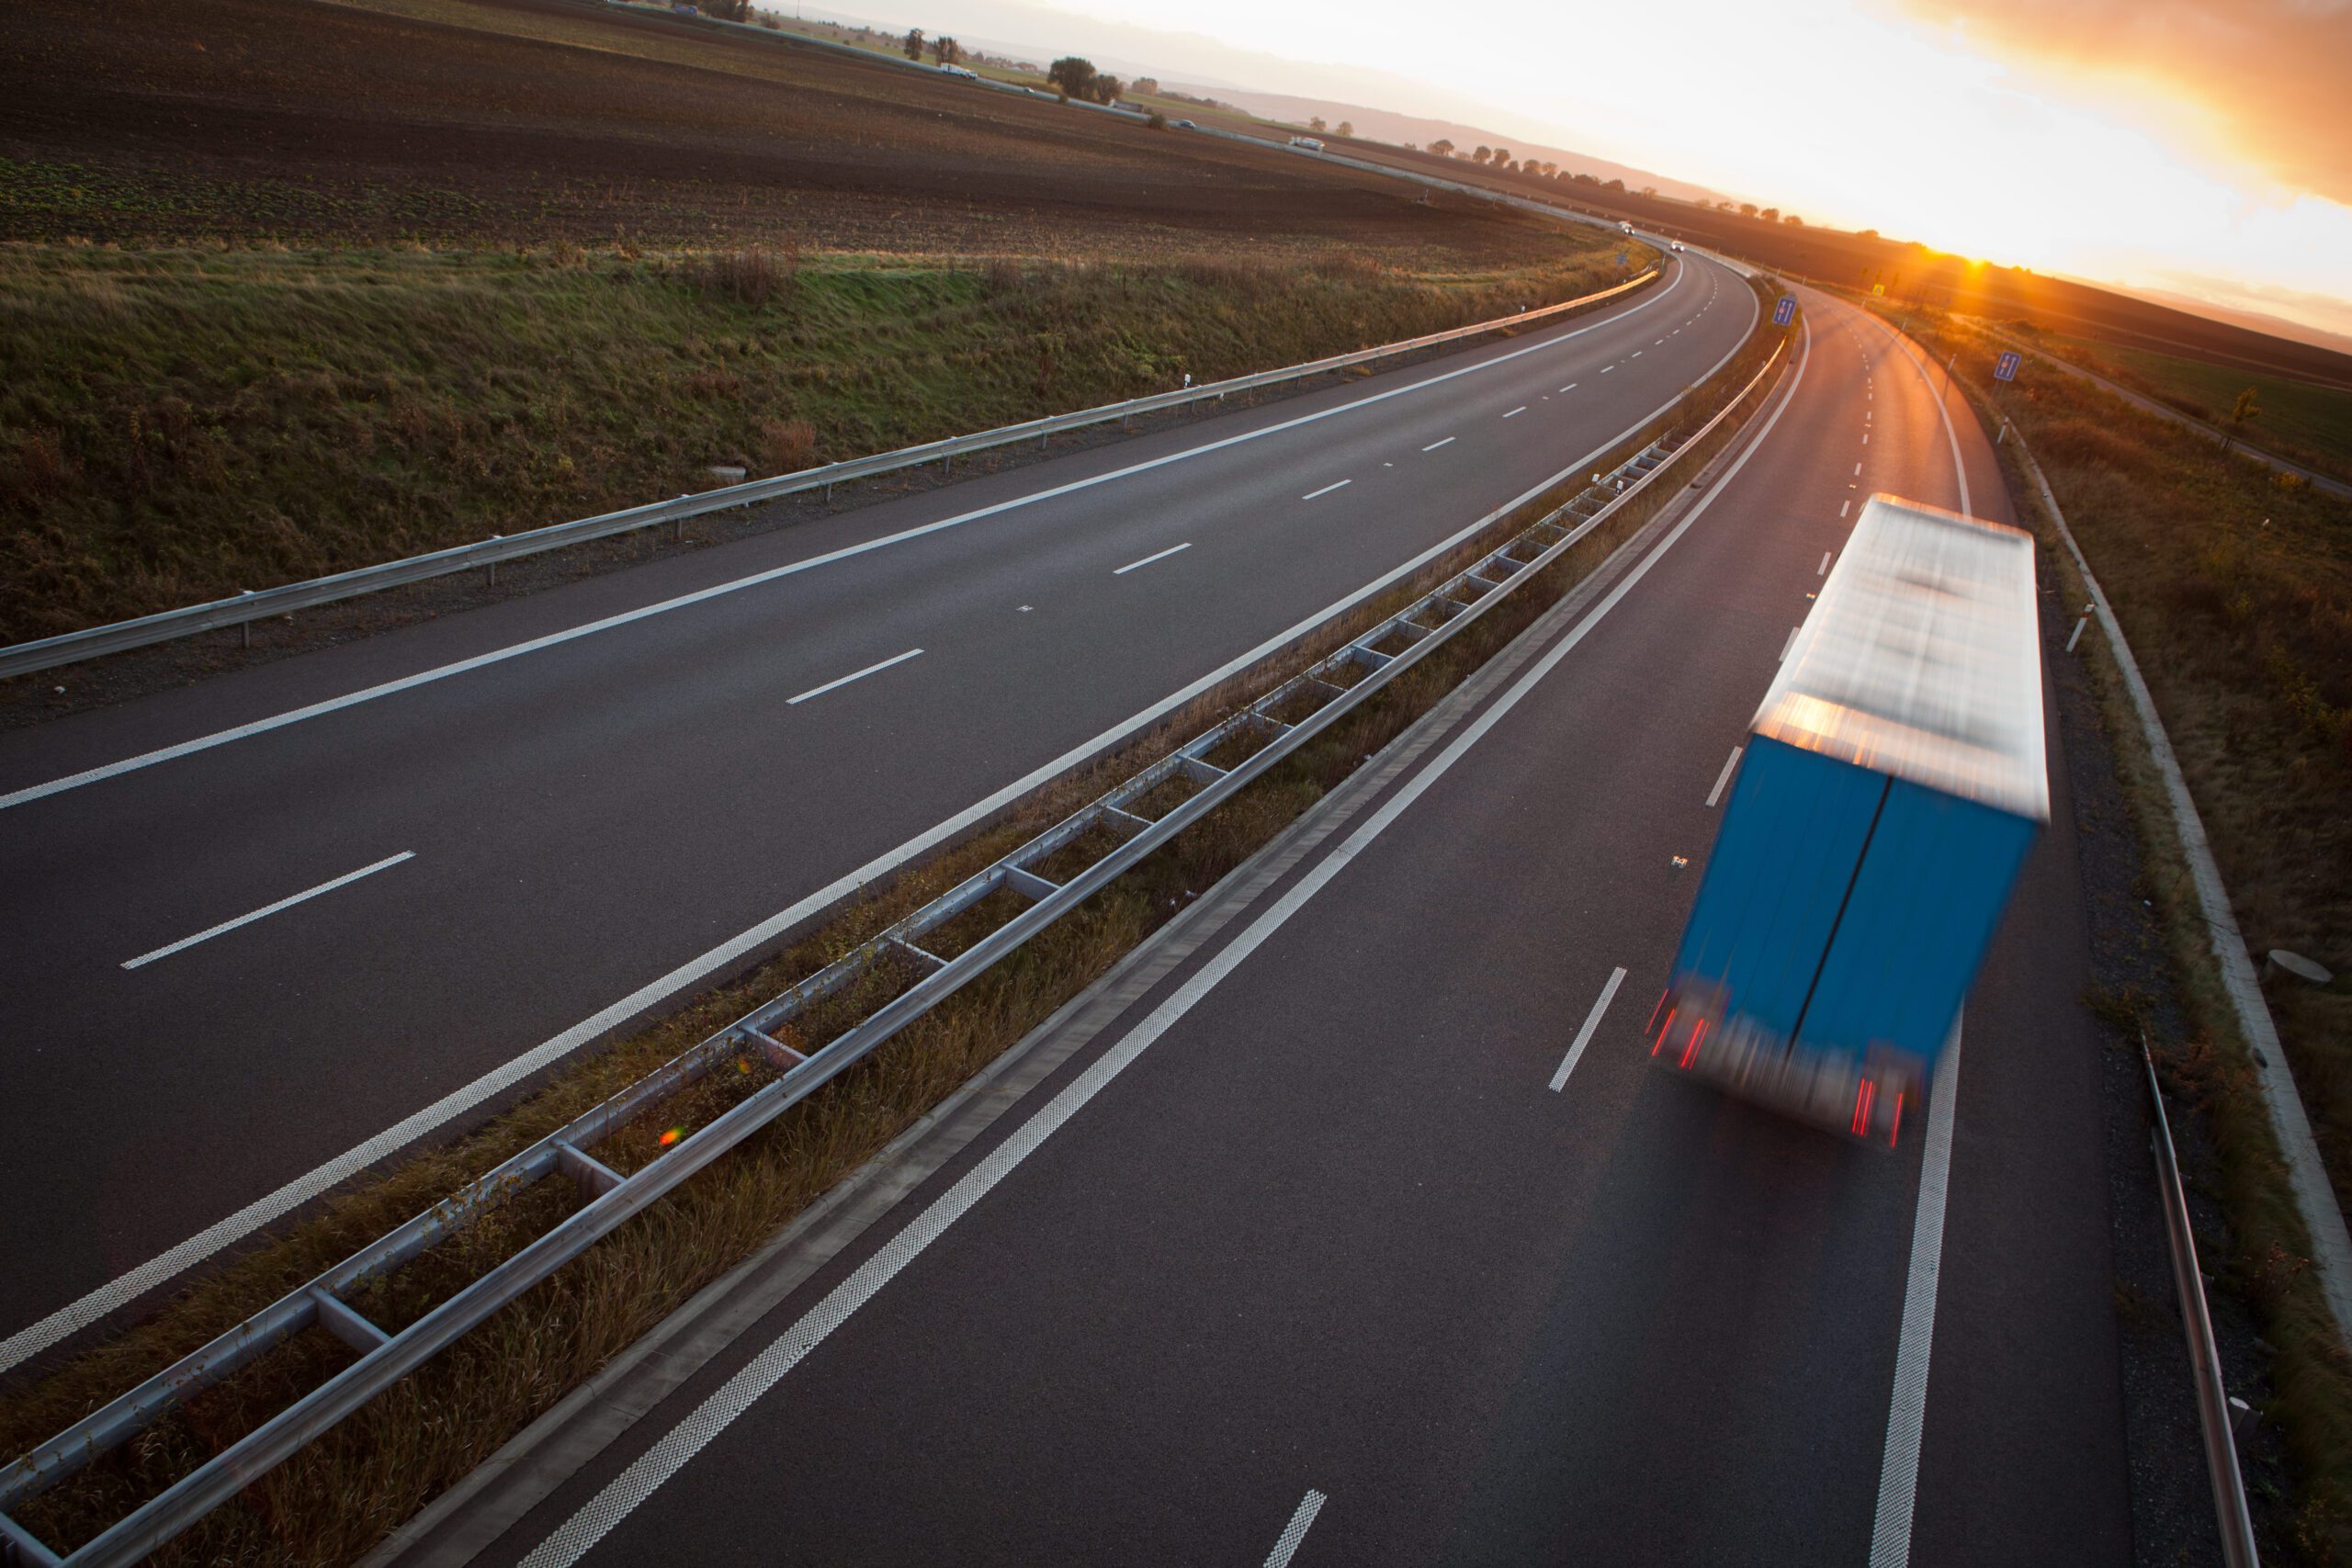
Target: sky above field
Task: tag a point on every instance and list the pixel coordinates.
(2200, 147)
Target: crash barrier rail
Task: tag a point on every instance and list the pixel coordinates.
(2204, 1357)
(762, 1041)
(119, 637)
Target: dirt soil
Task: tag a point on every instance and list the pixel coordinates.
(528, 120)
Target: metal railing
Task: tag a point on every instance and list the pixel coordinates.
(762, 1042)
(2235, 1523)
(120, 636)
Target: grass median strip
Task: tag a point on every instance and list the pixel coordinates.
(334, 1499)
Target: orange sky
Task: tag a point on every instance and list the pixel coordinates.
(2198, 146)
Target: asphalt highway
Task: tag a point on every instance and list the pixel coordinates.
(1303, 1258)
(331, 917)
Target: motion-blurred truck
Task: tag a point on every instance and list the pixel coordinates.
(1891, 785)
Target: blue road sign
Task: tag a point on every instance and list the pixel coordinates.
(2005, 368)
(1785, 312)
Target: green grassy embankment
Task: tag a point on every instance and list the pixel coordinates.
(2301, 421)
(176, 424)
(2233, 585)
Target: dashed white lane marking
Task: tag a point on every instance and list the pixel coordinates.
(1569, 387)
(1592, 1018)
(1638, 352)
(1287, 1544)
(1517, 411)
(1866, 437)
(1898, 1469)
(1146, 561)
(1724, 777)
(1435, 445)
(853, 675)
(1607, 369)
(1823, 571)
(703, 595)
(1342, 484)
(1844, 505)
(210, 932)
(597, 1517)
(1790, 644)
(1858, 469)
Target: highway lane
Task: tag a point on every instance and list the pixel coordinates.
(588, 822)
(1328, 1232)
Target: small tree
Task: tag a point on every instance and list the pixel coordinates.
(1614, 185)
(1346, 128)
(946, 50)
(1771, 214)
(1147, 85)
(1107, 89)
(1794, 220)
(1442, 147)
(1314, 123)
(1867, 234)
(2242, 412)
(1073, 75)
(914, 43)
(1482, 154)
(1502, 157)
(1747, 209)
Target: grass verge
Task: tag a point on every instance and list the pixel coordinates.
(334, 1500)
(2232, 590)
(178, 425)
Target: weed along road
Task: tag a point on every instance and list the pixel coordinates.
(1357, 1229)
(288, 921)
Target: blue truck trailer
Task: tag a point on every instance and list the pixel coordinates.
(1891, 783)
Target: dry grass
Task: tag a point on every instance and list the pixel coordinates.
(176, 425)
(334, 1500)
(2233, 590)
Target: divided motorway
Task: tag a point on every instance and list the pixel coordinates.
(287, 945)
(1322, 1245)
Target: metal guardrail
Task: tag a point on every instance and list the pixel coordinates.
(761, 1043)
(119, 637)
(2204, 1357)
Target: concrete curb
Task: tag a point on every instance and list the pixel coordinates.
(2314, 1197)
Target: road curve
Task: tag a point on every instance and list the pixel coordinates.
(1298, 1257)
(265, 962)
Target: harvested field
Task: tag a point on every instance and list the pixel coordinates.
(529, 121)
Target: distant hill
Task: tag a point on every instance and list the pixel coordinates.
(1380, 125)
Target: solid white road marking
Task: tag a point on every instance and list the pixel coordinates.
(718, 589)
(208, 934)
(1515, 412)
(1790, 644)
(1287, 1544)
(853, 675)
(1327, 490)
(1724, 777)
(1435, 445)
(1898, 1469)
(94, 1305)
(1591, 1023)
(620, 1496)
(1172, 549)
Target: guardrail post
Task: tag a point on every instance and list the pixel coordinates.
(245, 628)
(493, 566)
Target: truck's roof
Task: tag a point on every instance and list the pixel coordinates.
(1922, 659)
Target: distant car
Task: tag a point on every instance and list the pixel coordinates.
(1306, 143)
(1627, 227)
(1186, 125)
(959, 71)
(1677, 244)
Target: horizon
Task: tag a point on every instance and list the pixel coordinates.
(2158, 166)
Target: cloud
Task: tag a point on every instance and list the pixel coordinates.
(2270, 75)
